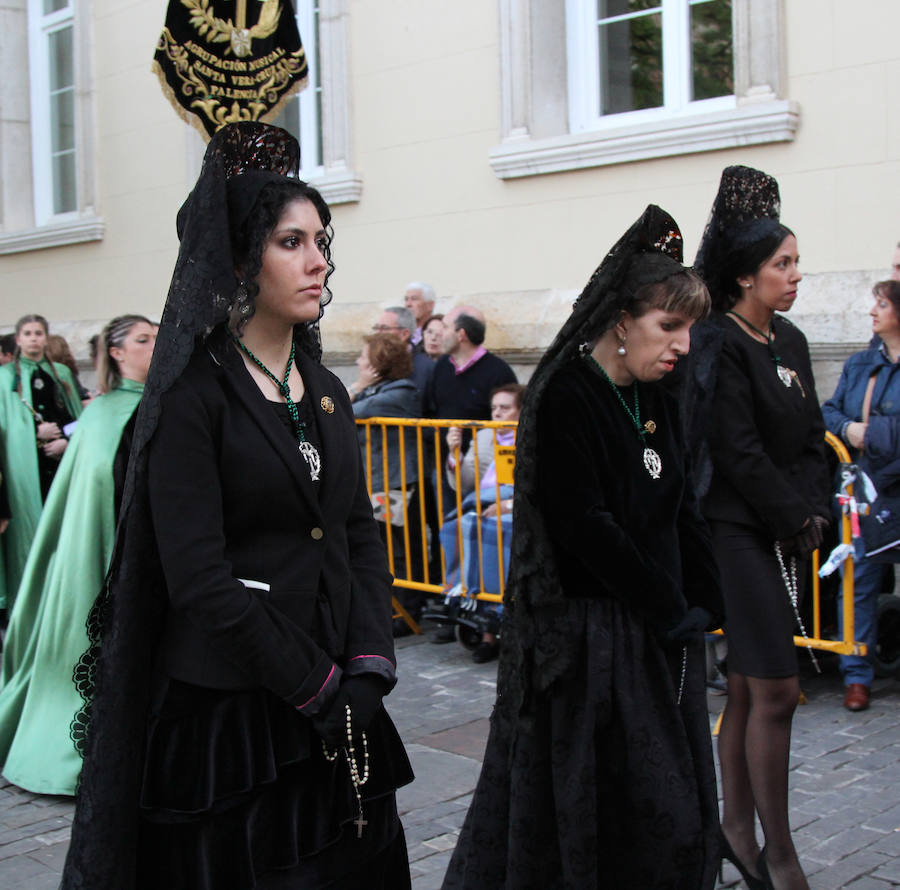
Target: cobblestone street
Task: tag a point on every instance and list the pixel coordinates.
(845, 803)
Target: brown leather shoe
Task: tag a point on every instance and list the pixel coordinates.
(857, 697)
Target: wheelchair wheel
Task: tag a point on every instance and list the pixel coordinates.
(467, 636)
(886, 657)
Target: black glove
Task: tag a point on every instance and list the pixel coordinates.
(807, 539)
(695, 621)
(363, 693)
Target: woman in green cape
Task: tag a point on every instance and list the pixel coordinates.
(38, 398)
(65, 571)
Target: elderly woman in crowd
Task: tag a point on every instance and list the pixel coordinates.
(865, 412)
(433, 337)
(383, 388)
(65, 571)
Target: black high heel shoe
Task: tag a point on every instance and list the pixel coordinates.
(753, 883)
(763, 868)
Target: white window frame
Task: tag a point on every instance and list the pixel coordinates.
(26, 218)
(543, 125)
(307, 99)
(41, 27)
(583, 54)
(332, 174)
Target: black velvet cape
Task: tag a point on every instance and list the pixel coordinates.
(601, 778)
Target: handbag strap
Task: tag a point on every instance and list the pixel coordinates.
(867, 400)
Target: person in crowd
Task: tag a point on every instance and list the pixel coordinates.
(756, 423)
(467, 373)
(460, 388)
(433, 337)
(865, 412)
(400, 323)
(895, 264)
(38, 400)
(480, 562)
(236, 735)
(7, 348)
(419, 299)
(599, 770)
(64, 573)
(58, 350)
(386, 391)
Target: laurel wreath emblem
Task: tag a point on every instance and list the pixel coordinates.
(216, 30)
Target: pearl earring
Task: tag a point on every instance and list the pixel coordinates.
(621, 349)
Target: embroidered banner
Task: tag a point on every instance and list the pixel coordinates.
(221, 61)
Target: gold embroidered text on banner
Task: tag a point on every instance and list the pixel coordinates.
(221, 61)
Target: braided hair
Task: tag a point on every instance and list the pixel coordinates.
(113, 335)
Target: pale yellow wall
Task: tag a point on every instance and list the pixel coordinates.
(425, 114)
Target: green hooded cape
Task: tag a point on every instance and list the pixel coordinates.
(19, 466)
(63, 575)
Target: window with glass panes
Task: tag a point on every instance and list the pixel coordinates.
(643, 55)
(53, 107)
(302, 114)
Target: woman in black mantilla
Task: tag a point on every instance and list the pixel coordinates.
(756, 425)
(599, 770)
(236, 737)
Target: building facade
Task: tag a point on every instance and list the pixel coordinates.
(494, 149)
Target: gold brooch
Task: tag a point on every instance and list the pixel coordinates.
(650, 426)
(327, 404)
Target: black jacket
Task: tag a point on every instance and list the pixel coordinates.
(767, 440)
(232, 499)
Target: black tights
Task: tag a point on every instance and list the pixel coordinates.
(754, 749)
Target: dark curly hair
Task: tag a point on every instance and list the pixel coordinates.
(249, 238)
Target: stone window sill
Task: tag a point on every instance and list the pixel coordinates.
(56, 234)
(748, 124)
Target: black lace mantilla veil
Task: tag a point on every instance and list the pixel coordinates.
(746, 209)
(114, 674)
(539, 623)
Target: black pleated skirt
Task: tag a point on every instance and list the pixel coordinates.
(238, 794)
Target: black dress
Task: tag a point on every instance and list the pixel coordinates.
(606, 777)
(766, 442)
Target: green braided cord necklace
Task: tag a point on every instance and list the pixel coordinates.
(308, 451)
(652, 460)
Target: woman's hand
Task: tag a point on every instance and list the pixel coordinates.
(4, 525)
(809, 538)
(47, 432)
(856, 434)
(695, 621)
(454, 438)
(367, 376)
(363, 694)
(55, 448)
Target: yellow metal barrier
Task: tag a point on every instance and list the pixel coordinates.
(848, 645)
(427, 468)
(415, 546)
